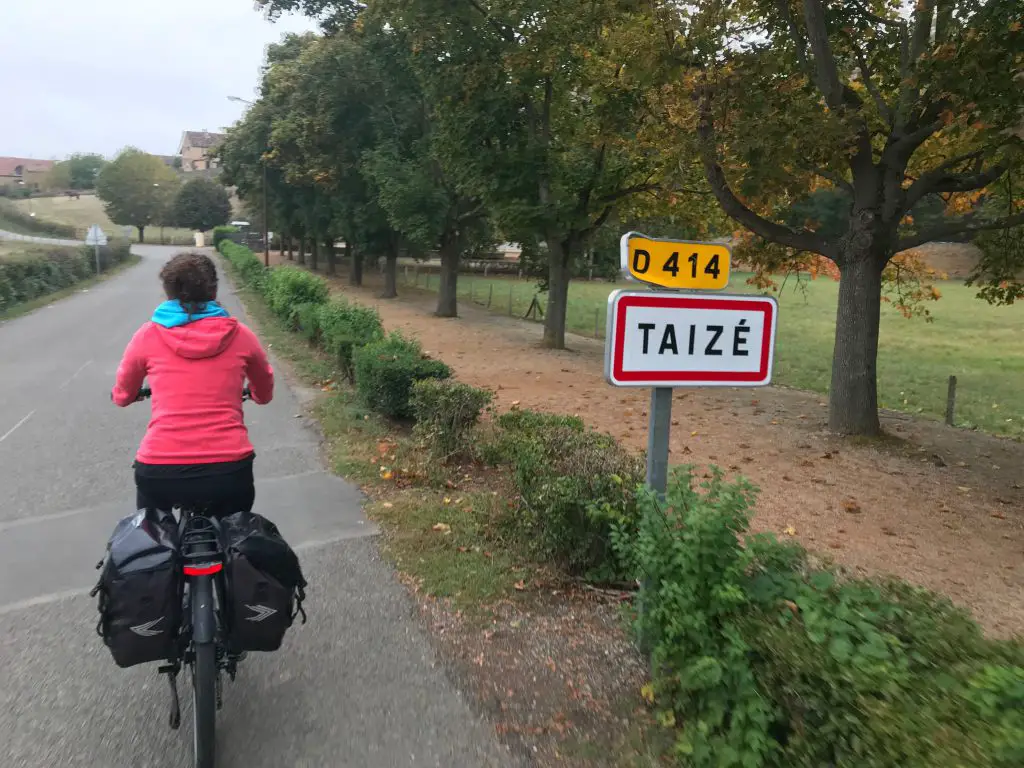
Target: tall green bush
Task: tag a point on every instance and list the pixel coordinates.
(386, 371)
(345, 327)
(761, 659)
(573, 485)
(287, 288)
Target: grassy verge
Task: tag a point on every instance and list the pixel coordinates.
(976, 342)
(87, 210)
(29, 306)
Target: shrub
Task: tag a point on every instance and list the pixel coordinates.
(446, 412)
(40, 270)
(223, 233)
(763, 660)
(246, 264)
(344, 328)
(306, 320)
(288, 287)
(573, 486)
(386, 371)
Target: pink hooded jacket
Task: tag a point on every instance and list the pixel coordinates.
(196, 372)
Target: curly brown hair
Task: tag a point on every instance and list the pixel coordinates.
(190, 278)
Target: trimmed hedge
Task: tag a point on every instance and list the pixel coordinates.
(446, 412)
(386, 371)
(223, 233)
(246, 264)
(573, 485)
(40, 270)
(344, 327)
(288, 288)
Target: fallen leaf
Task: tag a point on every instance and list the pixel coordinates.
(694, 434)
(998, 515)
(442, 528)
(447, 500)
(520, 585)
(387, 505)
(790, 531)
(647, 693)
(386, 474)
(889, 531)
(963, 489)
(851, 507)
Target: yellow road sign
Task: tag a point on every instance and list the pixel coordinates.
(676, 264)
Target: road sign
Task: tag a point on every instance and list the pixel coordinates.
(96, 236)
(677, 264)
(668, 340)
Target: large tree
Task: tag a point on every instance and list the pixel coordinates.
(201, 204)
(541, 106)
(136, 188)
(891, 104)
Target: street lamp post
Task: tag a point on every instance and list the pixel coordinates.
(263, 162)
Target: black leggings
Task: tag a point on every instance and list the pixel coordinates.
(216, 492)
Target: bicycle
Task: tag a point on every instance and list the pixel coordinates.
(202, 639)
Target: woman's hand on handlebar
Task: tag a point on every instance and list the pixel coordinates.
(145, 393)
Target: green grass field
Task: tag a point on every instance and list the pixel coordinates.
(88, 210)
(983, 346)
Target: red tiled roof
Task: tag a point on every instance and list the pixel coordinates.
(28, 165)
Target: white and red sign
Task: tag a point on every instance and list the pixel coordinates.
(689, 340)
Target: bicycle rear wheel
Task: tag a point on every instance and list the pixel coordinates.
(204, 674)
(204, 704)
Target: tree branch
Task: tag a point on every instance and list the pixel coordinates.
(940, 180)
(794, 34)
(627, 191)
(506, 32)
(837, 95)
(835, 178)
(798, 239)
(960, 230)
(880, 102)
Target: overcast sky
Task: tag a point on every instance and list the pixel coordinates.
(99, 75)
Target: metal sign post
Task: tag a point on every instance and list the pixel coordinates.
(664, 338)
(96, 237)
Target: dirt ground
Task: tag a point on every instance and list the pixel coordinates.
(940, 507)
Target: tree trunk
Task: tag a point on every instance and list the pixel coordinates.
(355, 270)
(142, 234)
(448, 290)
(329, 250)
(853, 396)
(560, 259)
(391, 274)
(291, 246)
(301, 255)
(315, 255)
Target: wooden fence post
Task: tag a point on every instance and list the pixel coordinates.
(951, 402)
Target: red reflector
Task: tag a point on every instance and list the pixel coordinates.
(203, 570)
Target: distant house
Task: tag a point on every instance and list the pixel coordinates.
(196, 148)
(171, 161)
(22, 170)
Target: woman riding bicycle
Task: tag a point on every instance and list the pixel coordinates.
(196, 451)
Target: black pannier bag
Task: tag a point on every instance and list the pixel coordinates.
(265, 586)
(140, 589)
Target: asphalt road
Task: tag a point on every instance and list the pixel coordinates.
(357, 686)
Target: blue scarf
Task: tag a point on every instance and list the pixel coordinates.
(171, 314)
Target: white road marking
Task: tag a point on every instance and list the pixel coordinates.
(74, 376)
(10, 432)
